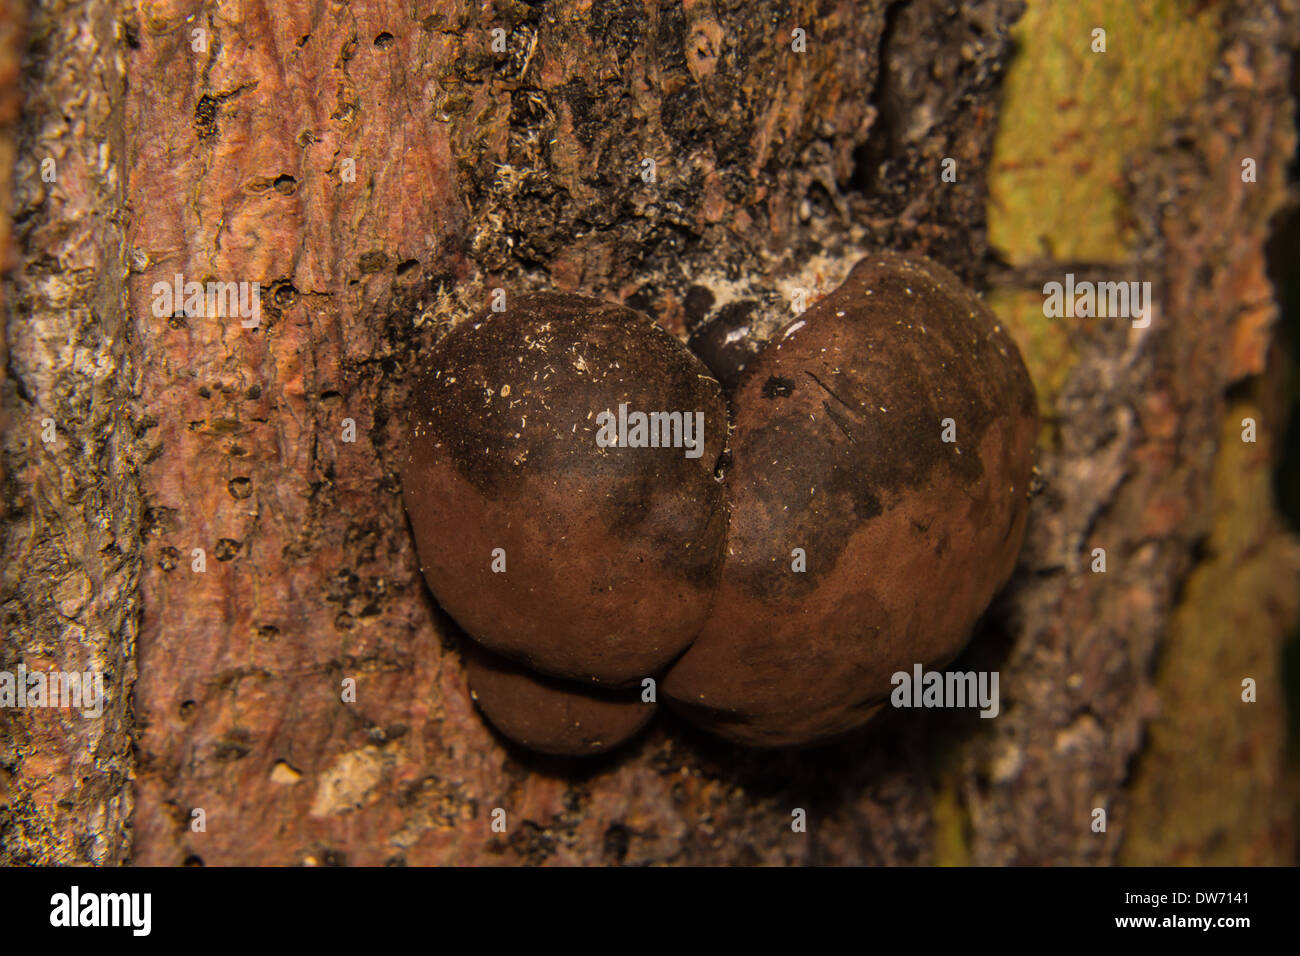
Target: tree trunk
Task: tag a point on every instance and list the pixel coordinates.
(379, 168)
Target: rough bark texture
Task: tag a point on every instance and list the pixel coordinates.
(378, 169)
(71, 542)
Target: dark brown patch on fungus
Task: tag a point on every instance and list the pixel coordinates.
(552, 716)
(907, 538)
(612, 554)
(726, 343)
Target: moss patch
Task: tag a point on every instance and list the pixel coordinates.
(1072, 119)
(1206, 779)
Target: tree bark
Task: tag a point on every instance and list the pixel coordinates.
(378, 168)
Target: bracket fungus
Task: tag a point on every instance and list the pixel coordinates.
(549, 715)
(839, 450)
(583, 560)
(875, 503)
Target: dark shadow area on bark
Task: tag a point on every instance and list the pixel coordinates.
(1283, 252)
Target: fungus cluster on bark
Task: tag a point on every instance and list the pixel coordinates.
(569, 512)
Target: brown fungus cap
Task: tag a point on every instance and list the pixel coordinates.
(549, 715)
(838, 450)
(611, 554)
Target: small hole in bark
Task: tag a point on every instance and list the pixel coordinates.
(642, 300)
(205, 116)
(226, 549)
(372, 262)
(384, 40)
(284, 295)
(616, 842)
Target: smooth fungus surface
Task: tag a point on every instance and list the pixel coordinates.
(840, 450)
(590, 563)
